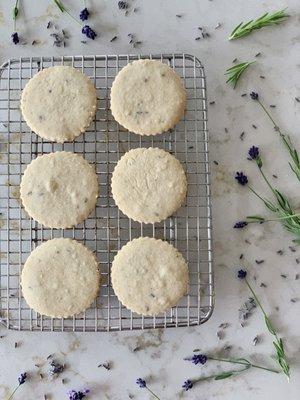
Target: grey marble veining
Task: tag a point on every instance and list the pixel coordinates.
(158, 355)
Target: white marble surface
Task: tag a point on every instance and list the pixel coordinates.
(159, 357)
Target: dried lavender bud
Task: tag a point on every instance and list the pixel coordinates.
(89, 32)
(15, 38)
(141, 383)
(105, 365)
(242, 274)
(224, 325)
(22, 378)
(197, 359)
(241, 178)
(294, 300)
(255, 340)
(253, 152)
(220, 335)
(84, 14)
(254, 95)
(240, 224)
(258, 262)
(246, 309)
(187, 385)
(74, 395)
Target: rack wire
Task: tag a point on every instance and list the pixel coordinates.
(107, 229)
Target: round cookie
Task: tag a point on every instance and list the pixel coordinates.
(60, 278)
(59, 190)
(59, 103)
(148, 185)
(149, 276)
(147, 97)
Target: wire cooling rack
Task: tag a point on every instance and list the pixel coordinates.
(107, 229)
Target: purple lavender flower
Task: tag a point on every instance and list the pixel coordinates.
(254, 95)
(84, 14)
(74, 395)
(22, 378)
(88, 32)
(240, 224)
(187, 385)
(198, 359)
(141, 383)
(56, 368)
(15, 38)
(253, 152)
(242, 274)
(241, 178)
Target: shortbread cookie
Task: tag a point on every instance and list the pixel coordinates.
(147, 97)
(148, 185)
(149, 276)
(59, 190)
(59, 103)
(60, 278)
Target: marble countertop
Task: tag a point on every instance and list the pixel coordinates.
(158, 355)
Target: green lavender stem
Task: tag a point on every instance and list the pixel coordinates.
(242, 362)
(263, 220)
(278, 344)
(63, 9)
(13, 392)
(153, 394)
(223, 375)
(286, 141)
(15, 13)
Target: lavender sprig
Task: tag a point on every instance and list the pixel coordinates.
(286, 139)
(244, 29)
(189, 383)
(234, 73)
(21, 379)
(282, 208)
(78, 395)
(15, 36)
(86, 30)
(143, 385)
(278, 342)
(203, 358)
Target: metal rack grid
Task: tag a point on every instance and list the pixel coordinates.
(107, 229)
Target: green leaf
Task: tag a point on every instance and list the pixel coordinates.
(15, 12)
(244, 29)
(259, 162)
(270, 326)
(256, 218)
(279, 350)
(236, 71)
(224, 375)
